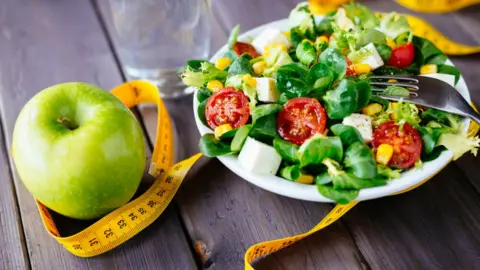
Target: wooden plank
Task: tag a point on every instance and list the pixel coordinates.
(13, 254)
(47, 42)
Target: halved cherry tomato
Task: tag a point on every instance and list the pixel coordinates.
(300, 119)
(241, 47)
(406, 142)
(227, 106)
(402, 56)
(350, 70)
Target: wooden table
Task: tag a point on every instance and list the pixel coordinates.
(216, 215)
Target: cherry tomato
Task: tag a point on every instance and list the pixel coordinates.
(227, 106)
(300, 119)
(402, 56)
(241, 47)
(350, 70)
(406, 142)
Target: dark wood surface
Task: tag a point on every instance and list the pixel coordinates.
(436, 226)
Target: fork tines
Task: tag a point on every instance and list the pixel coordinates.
(380, 83)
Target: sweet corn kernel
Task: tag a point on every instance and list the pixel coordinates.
(249, 80)
(428, 69)
(214, 85)
(308, 40)
(220, 130)
(362, 69)
(286, 34)
(384, 153)
(222, 63)
(391, 44)
(392, 80)
(322, 39)
(393, 105)
(305, 179)
(372, 109)
(259, 67)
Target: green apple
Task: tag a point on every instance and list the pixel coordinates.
(78, 150)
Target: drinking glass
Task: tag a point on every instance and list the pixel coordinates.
(155, 38)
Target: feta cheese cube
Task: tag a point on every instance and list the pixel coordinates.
(258, 157)
(267, 37)
(267, 90)
(363, 123)
(450, 79)
(374, 60)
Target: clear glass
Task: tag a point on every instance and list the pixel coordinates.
(155, 38)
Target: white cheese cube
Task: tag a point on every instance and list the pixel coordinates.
(267, 90)
(343, 21)
(258, 157)
(267, 37)
(450, 79)
(363, 123)
(374, 60)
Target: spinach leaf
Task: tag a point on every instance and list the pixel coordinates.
(317, 148)
(290, 79)
(239, 138)
(263, 110)
(241, 66)
(211, 147)
(201, 112)
(359, 158)
(291, 173)
(371, 36)
(195, 65)
(364, 93)
(348, 134)
(342, 101)
(320, 77)
(232, 39)
(361, 15)
(335, 61)
(447, 69)
(388, 173)
(394, 90)
(296, 36)
(341, 196)
(324, 27)
(288, 151)
(445, 118)
(384, 50)
(434, 154)
(429, 138)
(265, 129)
(203, 93)
(348, 180)
(228, 136)
(230, 54)
(431, 54)
(323, 179)
(306, 53)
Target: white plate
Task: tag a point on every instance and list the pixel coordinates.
(309, 192)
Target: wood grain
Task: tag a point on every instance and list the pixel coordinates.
(55, 41)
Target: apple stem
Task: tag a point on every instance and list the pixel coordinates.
(67, 123)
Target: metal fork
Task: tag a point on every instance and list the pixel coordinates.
(428, 92)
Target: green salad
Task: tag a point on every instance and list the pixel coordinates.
(298, 104)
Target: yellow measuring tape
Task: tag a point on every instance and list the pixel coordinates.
(436, 6)
(128, 220)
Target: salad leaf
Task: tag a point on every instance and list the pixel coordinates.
(361, 16)
(394, 90)
(201, 112)
(342, 40)
(341, 196)
(203, 93)
(429, 138)
(448, 119)
(320, 77)
(451, 70)
(288, 151)
(265, 129)
(241, 66)
(263, 110)
(324, 27)
(357, 56)
(236, 81)
(335, 61)
(301, 17)
(291, 173)
(459, 143)
(371, 36)
(384, 50)
(342, 101)
(405, 112)
(430, 53)
(240, 138)
(388, 172)
(347, 180)
(306, 53)
(364, 93)
(290, 79)
(319, 147)
(198, 73)
(296, 36)
(348, 134)
(229, 134)
(232, 38)
(359, 158)
(211, 147)
(275, 59)
(393, 25)
(323, 179)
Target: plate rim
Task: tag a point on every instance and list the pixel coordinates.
(305, 192)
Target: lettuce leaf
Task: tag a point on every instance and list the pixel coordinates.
(361, 16)
(301, 17)
(206, 73)
(274, 60)
(459, 143)
(393, 25)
